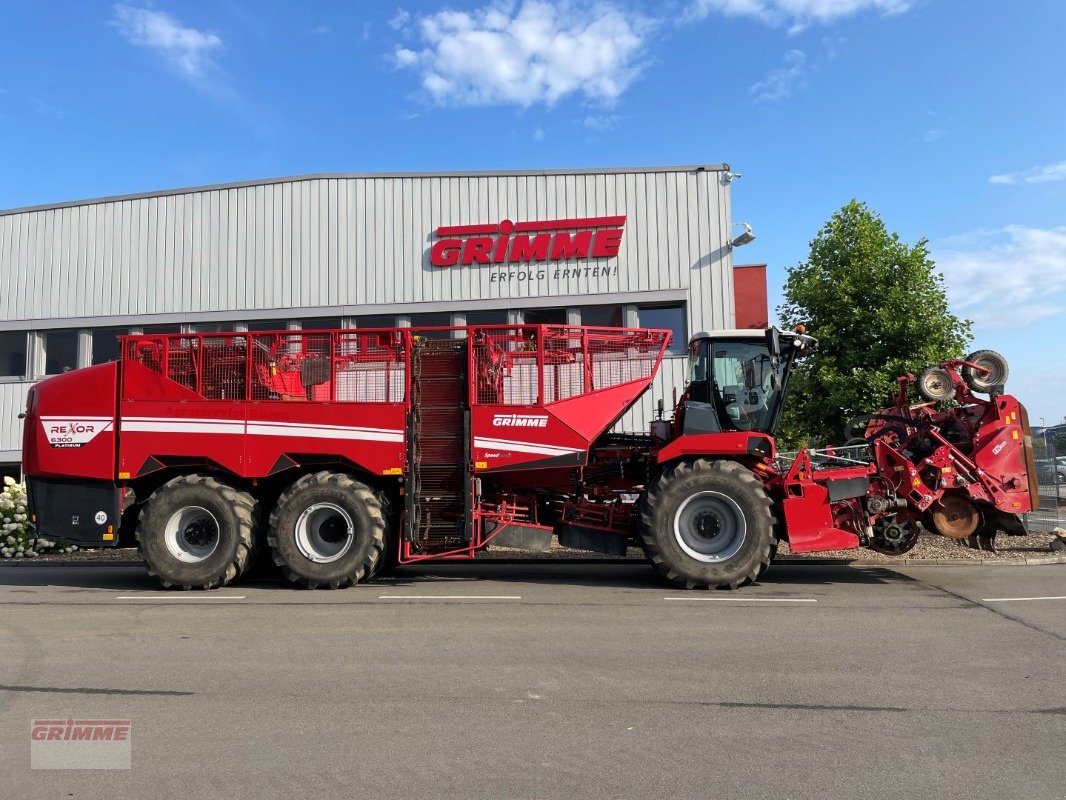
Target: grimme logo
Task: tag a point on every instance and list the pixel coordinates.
(80, 744)
(519, 421)
(509, 242)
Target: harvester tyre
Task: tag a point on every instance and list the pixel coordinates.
(984, 381)
(708, 524)
(935, 385)
(197, 532)
(327, 530)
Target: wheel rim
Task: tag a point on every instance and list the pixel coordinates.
(993, 377)
(324, 532)
(710, 527)
(937, 385)
(191, 534)
(956, 517)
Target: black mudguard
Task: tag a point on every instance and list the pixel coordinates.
(80, 511)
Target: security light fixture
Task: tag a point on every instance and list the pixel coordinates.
(745, 238)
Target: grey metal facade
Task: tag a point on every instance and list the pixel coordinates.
(351, 245)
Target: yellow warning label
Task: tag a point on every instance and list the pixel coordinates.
(481, 465)
(392, 471)
(107, 537)
(122, 476)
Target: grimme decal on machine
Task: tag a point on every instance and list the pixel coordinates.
(515, 245)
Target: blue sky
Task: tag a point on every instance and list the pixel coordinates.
(947, 116)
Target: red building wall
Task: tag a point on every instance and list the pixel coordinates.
(749, 296)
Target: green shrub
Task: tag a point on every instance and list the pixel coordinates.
(17, 536)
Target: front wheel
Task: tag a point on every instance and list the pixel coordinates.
(708, 524)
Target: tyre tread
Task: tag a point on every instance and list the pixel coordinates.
(249, 517)
(650, 502)
(358, 491)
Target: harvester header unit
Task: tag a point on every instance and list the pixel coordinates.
(348, 451)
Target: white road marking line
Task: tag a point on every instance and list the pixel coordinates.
(181, 597)
(748, 599)
(450, 597)
(1014, 599)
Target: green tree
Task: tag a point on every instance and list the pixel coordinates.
(879, 310)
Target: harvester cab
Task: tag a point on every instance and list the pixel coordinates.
(738, 379)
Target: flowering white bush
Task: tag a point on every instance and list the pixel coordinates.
(17, 537)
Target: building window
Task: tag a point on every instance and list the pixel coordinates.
(376, 321)
(60, 351)
(545, 316)
(671, 318)
(433, 320)
(158, 329)
(320, 323)
(266, 325)
(105, 344)
(602, 316)
(497, 316)
(13, 354)
(211, 327)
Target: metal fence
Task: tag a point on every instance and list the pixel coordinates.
(1051, 475)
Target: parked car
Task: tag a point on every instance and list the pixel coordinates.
(1050, 471)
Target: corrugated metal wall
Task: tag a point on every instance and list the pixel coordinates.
(351, 243)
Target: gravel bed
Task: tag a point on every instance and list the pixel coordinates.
(929, 546)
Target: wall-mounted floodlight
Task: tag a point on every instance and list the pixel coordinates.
(745, 238)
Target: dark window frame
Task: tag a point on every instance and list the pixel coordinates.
(16, 377)
(679, 347)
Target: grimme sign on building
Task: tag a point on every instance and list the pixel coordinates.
(533, 244)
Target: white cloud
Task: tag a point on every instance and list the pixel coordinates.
(1005, 278)
(538, 134)
(187, 49)
(540, 53)
(779, 83)
(405, 57)
(1045, 174)
(400, 19)
(798, 14)
(604, 123)
(934, 135)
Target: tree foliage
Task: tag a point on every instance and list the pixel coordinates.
(878, 308)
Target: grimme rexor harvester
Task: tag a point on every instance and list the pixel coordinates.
(348, 451)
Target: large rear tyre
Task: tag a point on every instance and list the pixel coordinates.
(993, 370)
(198, 532)
(708, 524)
(327, 530)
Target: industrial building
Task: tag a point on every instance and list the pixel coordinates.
(647, 246)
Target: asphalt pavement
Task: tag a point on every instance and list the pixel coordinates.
(546, 681)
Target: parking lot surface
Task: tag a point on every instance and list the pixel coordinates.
(545, 680)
